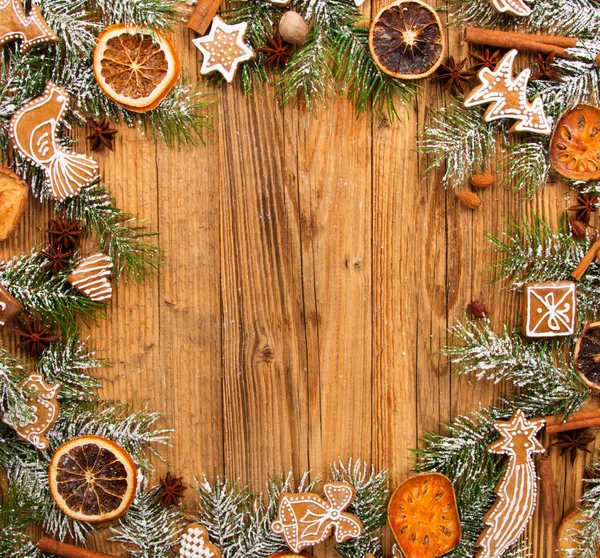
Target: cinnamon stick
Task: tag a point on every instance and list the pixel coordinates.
(588, 418)
(586, 261)
(68, 550)
(203, 14)
(546, 44)
(550, 506)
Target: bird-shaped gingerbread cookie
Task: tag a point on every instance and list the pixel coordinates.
(33, 129)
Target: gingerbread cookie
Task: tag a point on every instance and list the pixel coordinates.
(15, 25)
(508, 96)
(549, 309)
(223, 49)
(33, 129)
(91, 277)
(9, 306)
(512, 7)
(196, 544)
(517, 489)
(306, 519)
(42, 398)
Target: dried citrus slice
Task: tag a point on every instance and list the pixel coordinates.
(587, 355)
(13, 199)
(92, 479)
(570, 527)
(424, 517)
(575, 143)
(135, 67)
(406, 39)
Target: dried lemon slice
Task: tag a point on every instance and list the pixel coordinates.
(135, 67)
(92, 479)
(406, 39)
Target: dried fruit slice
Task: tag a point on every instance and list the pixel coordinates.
(570, 526)
(575, 143)
(135, 67)
(424, 517)
(587, 355)
(92, 479)
(13, 199)
(406, 39)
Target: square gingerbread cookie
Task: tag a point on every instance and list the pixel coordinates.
(549, 309)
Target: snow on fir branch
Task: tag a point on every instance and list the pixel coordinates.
(459, 141)
(13, 399)
(148, 530)
(47, 298)
(370, 505)
(587, 535)
(564, 17)
(334, 58)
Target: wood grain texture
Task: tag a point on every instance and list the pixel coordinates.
(310, 274)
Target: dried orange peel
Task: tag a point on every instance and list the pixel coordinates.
(424, 516)
(135, 67)
(92, 479)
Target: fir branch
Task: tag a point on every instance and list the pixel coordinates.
(369, 505)
(148, 530)
(458, 138)
(13, 398)
(50, 299)
(154, 14)
(587, 536)
(16, 513)
(238, 520)
(565, 17)
(176, 120)
(364, 82)
(527, 166)
(70, 20)
(68, 361)
(122, 236)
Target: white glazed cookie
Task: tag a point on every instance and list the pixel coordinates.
(91, 277)
(508, 96)
(223, 49)
(195, 543)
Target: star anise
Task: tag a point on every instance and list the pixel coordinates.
(488, 59)
(35, 336)
(277, 50)
(585, 206)
(454, 74)
(58, 259)
(546, 70)
(572, 442)
(102, 133)
(172, 490)
(65, 233)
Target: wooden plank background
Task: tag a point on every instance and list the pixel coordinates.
(311, 272)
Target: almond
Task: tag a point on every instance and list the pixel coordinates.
(481, 180)
(468, 199)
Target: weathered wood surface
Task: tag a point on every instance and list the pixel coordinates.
(310, 274)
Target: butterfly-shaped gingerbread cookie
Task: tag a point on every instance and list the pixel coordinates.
(306, 519)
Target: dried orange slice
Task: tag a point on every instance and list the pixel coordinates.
(135, 67)
(424, 516)
(13, 199)
(92, 479)
(587, 355)
(575, 143)
(406, 39)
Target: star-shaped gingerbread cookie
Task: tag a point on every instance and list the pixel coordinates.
(223, 49)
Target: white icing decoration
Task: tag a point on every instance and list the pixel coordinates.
(66, 171)
(517, 489)
(195, 544)
(558, 309)
(495, 88)
(32, 29)
(90, 277)
(223, 49)
(513, 7)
